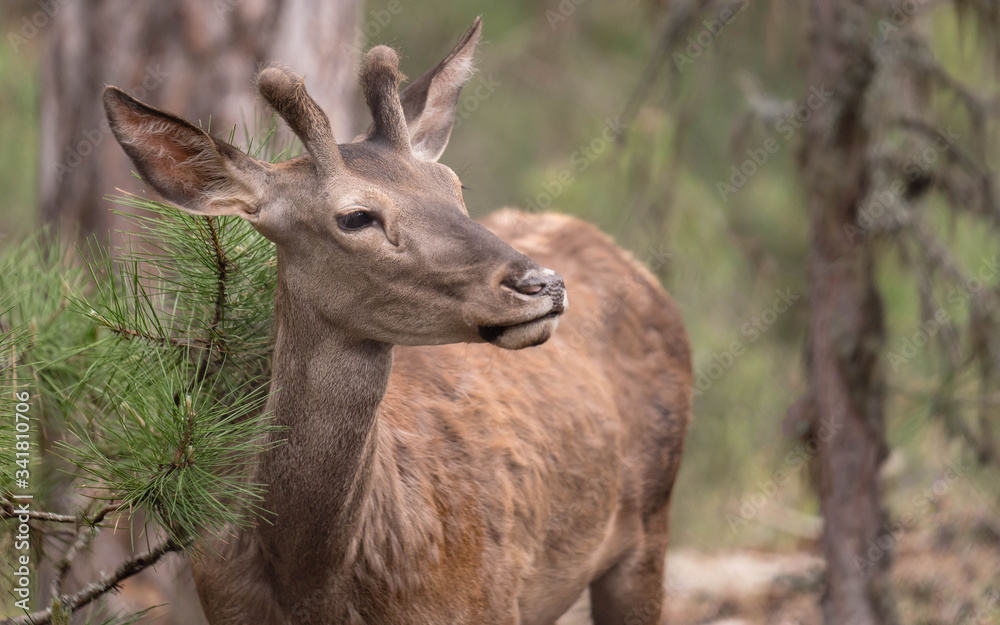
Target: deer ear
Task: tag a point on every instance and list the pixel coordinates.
(429, 102)
(183, 163)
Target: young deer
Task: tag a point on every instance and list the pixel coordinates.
(434, 485)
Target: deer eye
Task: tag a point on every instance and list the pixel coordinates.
(355, 220)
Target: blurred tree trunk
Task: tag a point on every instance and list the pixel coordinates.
(191, 57)
(196, 58)
(846, 325)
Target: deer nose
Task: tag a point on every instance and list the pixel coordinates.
(539, 282)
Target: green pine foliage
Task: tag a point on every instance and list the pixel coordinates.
(42, 344)
(8, 398)
(147, 371)
(184, 313)
(148, 367)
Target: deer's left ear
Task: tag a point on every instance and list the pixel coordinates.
(189, 168)
(430, 101)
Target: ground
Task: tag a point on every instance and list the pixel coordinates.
(947, 573)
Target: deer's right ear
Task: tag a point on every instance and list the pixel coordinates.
(183, 163)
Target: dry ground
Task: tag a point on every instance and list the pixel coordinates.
(947, 573)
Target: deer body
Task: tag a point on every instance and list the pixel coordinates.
(483, 487)
(446, 484)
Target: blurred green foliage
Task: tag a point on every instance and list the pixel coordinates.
(19, 133)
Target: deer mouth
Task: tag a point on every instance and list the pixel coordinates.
(524, 334)
(536, 330)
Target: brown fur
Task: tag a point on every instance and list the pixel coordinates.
(286, 93)
(380, 80)
(449, 484)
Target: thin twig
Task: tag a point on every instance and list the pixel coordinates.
(152, 338)
(85, 525)
(976, 169)
(215, 337)
(107, 583)
(920, 126)
(222, 272)
(7, 512)
(84, 533)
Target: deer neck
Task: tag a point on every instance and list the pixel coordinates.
(326, 389)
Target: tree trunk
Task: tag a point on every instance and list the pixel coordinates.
(846, 325)
(195, 58)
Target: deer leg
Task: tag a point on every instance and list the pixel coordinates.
(632, 592)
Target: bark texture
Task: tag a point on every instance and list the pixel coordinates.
(846, 333)
(195, 58)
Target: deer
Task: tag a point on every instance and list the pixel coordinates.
(446, 455)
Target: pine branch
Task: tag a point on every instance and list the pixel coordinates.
(938, 257)
(150, 338)
(979, 171)
(183, 458)
(979, 108)
(107, 583)
(168, 343)
(221, 266)
(222, 269)
(7, 512)
(84, 534)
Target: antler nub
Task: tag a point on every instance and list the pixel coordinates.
(380, 78)
(286, 92)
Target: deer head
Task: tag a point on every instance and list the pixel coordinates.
(373, 236)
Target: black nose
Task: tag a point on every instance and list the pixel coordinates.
(539, 283)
